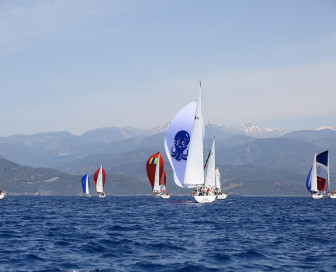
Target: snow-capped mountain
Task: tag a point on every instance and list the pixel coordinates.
(325, 127)
(245, 129)
(252, 130)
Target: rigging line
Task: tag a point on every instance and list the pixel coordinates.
(207, 159)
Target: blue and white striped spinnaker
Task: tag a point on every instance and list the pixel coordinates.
(86, 184)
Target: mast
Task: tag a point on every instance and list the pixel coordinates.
(194, 172)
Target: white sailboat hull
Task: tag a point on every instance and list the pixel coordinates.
(102, 194)
(332, 196)
(205, 199)
(222, 196)
(2, 195)
(165, 196)
(156, 193)
(317, 196)
(87, 195)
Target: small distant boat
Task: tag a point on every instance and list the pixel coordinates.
(318, 177)
(332, 194)
(99, 181)
(155, 173)
(201, 194)
(184, 147)
(86, 185)
(164, 193)
(2, 194)
(220, 194)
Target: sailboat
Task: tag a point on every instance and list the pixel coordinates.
(154, 167)
(156, 173)
(184, 147)
(2, 194)
(163, 192)
(86, 185)
(318, 177)
(220, 194)
(99, 181)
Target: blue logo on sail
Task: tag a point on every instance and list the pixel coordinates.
(181, 142)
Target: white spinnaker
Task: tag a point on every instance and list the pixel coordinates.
(194, 172)
(313, 182)
(87, 188)
(157, 175)
(210, 177)
(218, 183)
(99, 186)
(183, 121)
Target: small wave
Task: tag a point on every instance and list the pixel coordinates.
(224, 258)
(250, 254)
(128, 228)
(165, 246)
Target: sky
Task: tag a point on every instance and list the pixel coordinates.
(77, 65)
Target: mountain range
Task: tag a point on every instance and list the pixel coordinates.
(252, 160)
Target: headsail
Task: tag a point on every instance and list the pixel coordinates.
(86, 184)
(152, 162)
(218, 183)
(164, 183)
(99, 179)
(210, 177)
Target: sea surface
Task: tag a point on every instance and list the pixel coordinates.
(146, 233)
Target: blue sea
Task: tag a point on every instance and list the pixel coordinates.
(145, 233)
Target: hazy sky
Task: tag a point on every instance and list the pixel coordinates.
(77, 65)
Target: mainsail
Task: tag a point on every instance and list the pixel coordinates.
(99, 179)
(194, 172)
(86, 184)
(154, 172)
